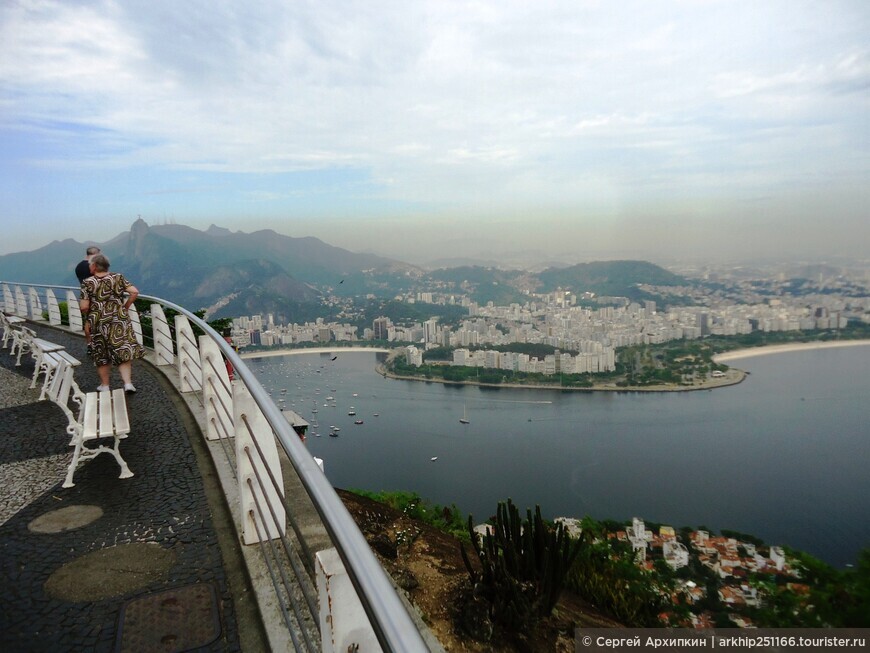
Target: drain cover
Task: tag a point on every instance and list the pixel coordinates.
(172, 621)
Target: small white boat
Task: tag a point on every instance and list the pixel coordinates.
(433, 458)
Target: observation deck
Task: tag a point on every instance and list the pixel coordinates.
(227, 538)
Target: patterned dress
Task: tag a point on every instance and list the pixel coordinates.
(112, 338)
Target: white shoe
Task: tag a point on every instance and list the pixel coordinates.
(103, 388)
(129, 387)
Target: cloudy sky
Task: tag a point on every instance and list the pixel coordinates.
(582, 129)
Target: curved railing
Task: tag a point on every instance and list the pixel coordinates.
(243, 410)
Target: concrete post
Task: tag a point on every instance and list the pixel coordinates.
(162, 336)
(189, 366)
(255, 496)
(216, 391)
(344, 625)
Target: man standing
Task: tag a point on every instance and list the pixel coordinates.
(83, 269)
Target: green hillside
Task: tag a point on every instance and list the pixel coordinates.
(609, 278)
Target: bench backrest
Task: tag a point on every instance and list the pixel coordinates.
(63, 385)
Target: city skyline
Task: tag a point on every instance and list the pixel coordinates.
(427, 131)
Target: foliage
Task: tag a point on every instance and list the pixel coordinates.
(839, 599)
(63, 309)
(607, 577)
(448, 520)
(523, 565)
(537, 350)
(438, 354)
(618, 278)
(143, 306)
(482, 284)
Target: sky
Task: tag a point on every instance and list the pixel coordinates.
(577, 130)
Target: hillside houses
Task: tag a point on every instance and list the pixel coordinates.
(734, 564)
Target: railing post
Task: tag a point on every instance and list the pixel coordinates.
(217, 393)
(35, 305)
(53, 308)
(344, 625)
(75, 315)
(249, 424)
(8, 299)
(162, 336)
(137, 323)
(20, 302)
(189, 367)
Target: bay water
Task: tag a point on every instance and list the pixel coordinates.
(784, 456)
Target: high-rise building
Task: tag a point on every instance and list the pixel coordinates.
(430, 330)
(380, 326)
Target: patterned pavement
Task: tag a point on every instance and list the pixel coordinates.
(110, 564)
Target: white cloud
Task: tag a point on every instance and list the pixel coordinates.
(446, 102)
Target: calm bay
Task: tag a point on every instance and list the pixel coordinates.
(783, 455)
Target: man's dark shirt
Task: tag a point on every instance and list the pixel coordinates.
(83, 270)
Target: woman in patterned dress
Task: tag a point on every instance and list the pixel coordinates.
(105, 300)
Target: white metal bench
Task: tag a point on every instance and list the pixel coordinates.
(9, 322)
(102, 415)
(50, 362)
(21, 339)
(39, 349)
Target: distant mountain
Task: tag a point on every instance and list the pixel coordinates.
(482, 284)
(236, 273)
(610, 278)
(52, 264)
(198, 268)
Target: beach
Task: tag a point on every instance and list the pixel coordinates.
(729, 356)
(308, 350)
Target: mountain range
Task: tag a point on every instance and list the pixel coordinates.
(237, 273)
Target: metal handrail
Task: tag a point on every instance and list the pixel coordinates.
(391, 623)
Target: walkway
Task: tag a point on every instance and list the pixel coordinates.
(138, 564)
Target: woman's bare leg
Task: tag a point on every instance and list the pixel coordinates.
(126, 370)
(103, 371)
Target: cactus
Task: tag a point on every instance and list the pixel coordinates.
(523, 565)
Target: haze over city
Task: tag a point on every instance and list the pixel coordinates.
(422, 131)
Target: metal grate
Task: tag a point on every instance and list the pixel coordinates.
(172, 621)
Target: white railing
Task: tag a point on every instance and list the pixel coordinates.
(356, 607)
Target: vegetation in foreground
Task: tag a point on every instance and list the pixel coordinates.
(601, 568)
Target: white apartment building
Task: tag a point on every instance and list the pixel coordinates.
(414, 356)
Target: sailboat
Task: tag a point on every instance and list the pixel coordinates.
(464, 419)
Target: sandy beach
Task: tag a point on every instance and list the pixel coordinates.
(308, 350)
(729, 356)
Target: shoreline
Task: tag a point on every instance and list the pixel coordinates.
(732, 377)
(786, 348)
(309, 350)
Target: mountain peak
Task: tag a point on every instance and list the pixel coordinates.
(139, 228)
(214, 230)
